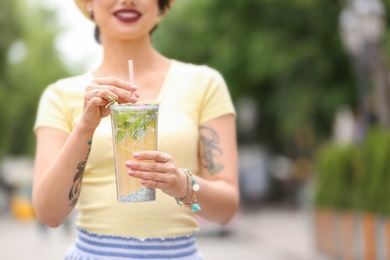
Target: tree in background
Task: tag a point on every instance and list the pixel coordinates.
(9, 34)
(285, 54)
(28, 63)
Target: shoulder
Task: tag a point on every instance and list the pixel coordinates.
(199, 71)
(74, 83)
(64, 89)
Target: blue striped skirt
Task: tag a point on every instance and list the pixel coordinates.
(94, 246)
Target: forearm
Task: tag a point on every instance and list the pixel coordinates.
(219, 200)
(218, 177)
(56, 192)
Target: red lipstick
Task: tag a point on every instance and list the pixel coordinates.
(127, 15)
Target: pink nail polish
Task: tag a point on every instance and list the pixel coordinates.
(128, 163)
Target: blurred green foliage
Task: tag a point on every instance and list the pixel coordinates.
(287, 55)
(355, 177)
(374, 177)
(336, 184)
(28, 63)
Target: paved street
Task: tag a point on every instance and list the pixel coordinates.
(271, 234)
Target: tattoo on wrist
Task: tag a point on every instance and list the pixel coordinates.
(75, 190)
(211, 150)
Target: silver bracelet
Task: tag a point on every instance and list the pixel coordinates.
(178, 200)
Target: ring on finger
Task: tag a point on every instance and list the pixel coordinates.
(95, 91)
(165, 158)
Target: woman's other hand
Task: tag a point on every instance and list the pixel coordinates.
(158, 170)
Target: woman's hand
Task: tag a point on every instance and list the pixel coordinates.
(96, 98)
(158, 170)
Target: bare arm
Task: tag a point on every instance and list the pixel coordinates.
(61, 158)
(59, 168)
(218, 181)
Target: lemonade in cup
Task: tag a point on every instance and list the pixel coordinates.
(134, 129)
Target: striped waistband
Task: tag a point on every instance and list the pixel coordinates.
(94, 246)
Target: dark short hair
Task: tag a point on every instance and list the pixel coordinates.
(163, 6)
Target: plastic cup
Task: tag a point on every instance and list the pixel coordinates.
(134, 129)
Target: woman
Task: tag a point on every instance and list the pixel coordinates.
(74, 155)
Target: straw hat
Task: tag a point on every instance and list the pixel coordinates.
(82, 5)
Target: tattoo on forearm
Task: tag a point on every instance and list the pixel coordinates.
(211, 150)
(76, 186)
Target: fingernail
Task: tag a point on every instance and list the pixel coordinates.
(143, 182)
(131, 172)
(128, 163)
(133, 86)
(136, 155)
(134, 99)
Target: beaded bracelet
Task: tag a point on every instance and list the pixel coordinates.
(194, 187)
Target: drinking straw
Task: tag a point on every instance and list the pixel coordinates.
(131, 72)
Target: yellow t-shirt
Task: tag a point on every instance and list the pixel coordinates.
(190, 96)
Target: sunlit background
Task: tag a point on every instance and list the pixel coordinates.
(310, 83)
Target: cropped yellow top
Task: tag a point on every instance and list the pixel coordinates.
(190, 96)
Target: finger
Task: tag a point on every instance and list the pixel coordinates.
(126, 97)
(118, 94)
(95, 105)
(94, 92)
(96, 100)
(152, 155)
(155, 184)
(150, 176)
(146, 166)
(103, 93)
(165, 158)
(135, 94)
(134, 87)
(117, 83)
(134, 97)
(150, 184)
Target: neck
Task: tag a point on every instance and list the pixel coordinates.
(116, 55)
